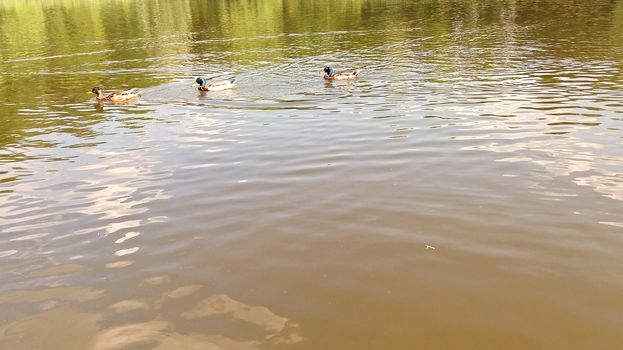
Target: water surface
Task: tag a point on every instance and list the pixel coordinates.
(293, 213)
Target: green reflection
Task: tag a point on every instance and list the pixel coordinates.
(54, 51)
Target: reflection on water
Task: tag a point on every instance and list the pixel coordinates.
(59, 328)
(295, 213)
(85, 330)
(54, 293)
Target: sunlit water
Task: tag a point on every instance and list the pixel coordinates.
(465, 193)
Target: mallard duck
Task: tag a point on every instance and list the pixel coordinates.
(216, 86)
(330, 74)
(117, 96)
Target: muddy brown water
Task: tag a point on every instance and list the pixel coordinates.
(466, 192)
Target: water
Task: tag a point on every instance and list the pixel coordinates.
(293, 213)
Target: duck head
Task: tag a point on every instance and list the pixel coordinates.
(328, 71)
(97, 91)
(200, 82)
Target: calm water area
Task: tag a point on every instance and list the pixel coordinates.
(465, 192)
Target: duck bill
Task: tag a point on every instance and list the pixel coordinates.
(194, 84)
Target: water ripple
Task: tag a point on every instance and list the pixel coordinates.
(491, 136)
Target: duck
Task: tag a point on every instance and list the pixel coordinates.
(216, 86)
(116, 96)
(330, 74)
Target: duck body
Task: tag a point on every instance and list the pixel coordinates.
(216, 86)
(117, 96)
(330, 74)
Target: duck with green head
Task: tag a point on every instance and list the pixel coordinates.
(331, 74)
(202, 85)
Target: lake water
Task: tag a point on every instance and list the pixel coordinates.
(466, 192)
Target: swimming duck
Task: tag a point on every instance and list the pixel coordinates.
(216, 86)
(330, 74)
(117, 96)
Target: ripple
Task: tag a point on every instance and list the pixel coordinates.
(127, 236)
(57, 270)
(123, 252)
(29, 237)
(59, 56)
(156, 280)
(5, 253)
(60, 293)
(184, 291)
(119, 264)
